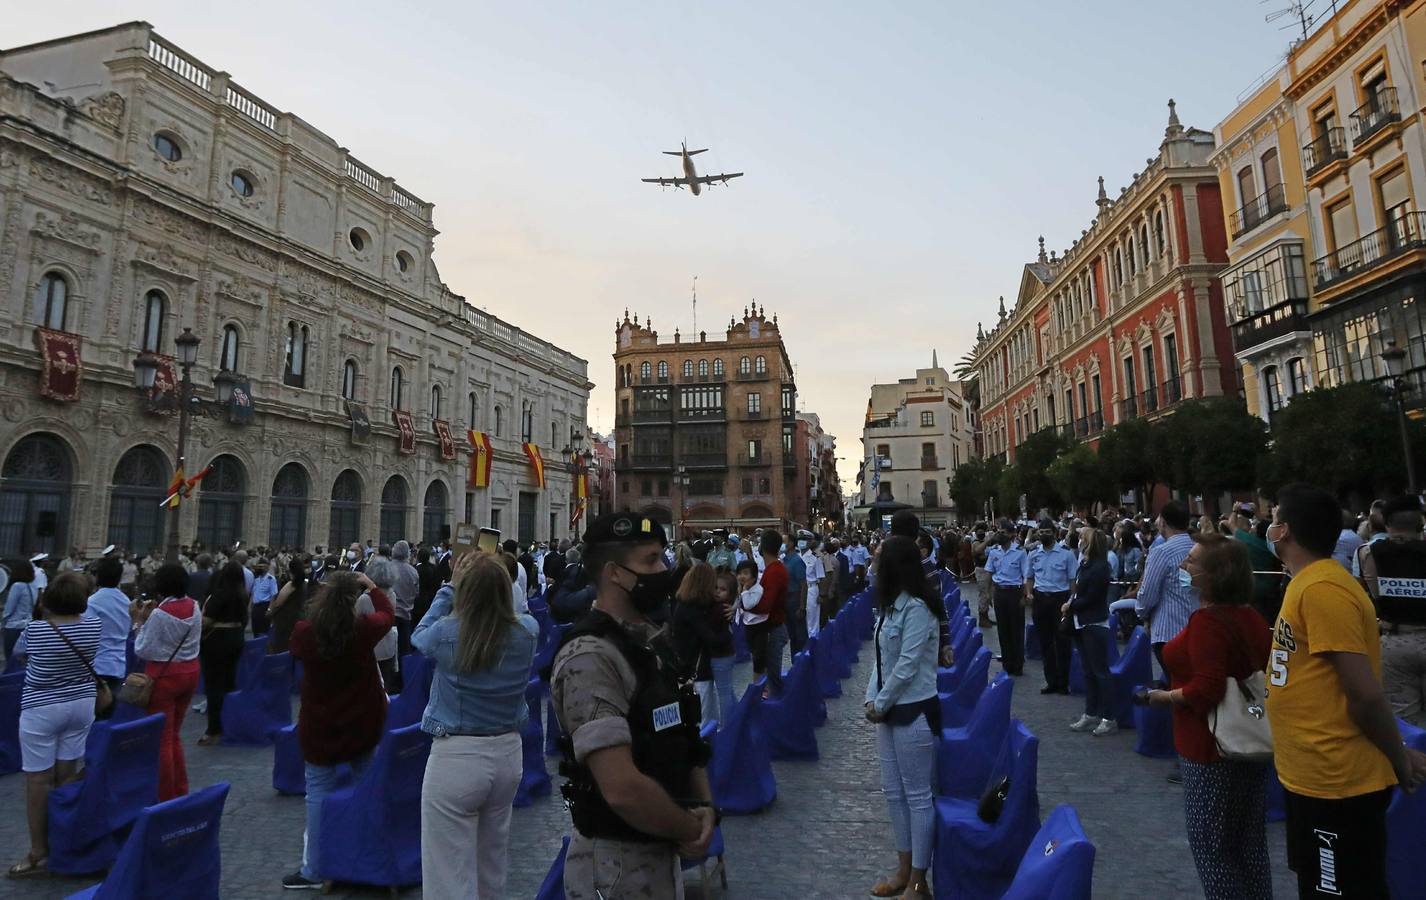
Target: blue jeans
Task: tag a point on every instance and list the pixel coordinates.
(1093, 641)
(717, 695)
(908, 761)
(321, 781)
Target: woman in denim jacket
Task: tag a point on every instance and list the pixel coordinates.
(901, 700)
(482, 653)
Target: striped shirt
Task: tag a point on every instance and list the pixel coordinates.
(55, 673)
(1162, 600)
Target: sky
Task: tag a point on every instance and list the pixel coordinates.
(901, 158)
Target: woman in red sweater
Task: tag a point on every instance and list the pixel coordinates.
(343, 704)
(1223, 799)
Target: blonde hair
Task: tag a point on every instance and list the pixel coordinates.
(484, 607)
(699, 585)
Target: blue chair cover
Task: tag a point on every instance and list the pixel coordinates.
(11, 686)
(263, 705)
(1127, 673)
(1032, 641)
(840, 630)
(975, 860)
(957, 706)
(89, 818)
(965, 756)
(535, 779)
(371, 831)
(131, 659)
(1058, 864)
(1076, 673)
(13, 664)
(1154, 725)
(289, 770)
(172, 851)
(819, 646)
(1406, 831)
(126, 712)
(790, 720)
(1277, 802)
(740, 772)
(407, 707)
(253, 652)
(547, 643)
(949, 678)
(741, 653)
(552, 888)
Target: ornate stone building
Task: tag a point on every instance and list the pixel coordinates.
(143, 194)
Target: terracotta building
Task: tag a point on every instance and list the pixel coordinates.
(705, 429)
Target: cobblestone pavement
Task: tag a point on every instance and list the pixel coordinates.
(825, 837)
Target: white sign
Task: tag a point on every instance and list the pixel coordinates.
(1402, 587)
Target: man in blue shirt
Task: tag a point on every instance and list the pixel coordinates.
(1009, 568)
(264, 589)
(111, 605)
(796, 606)
(1166, 598)
(1053, 568)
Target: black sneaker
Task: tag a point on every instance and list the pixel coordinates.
(295, 882)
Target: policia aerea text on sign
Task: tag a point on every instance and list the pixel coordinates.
(637, 790)
(1394, 569)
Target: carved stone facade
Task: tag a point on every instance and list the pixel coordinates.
(251, 228)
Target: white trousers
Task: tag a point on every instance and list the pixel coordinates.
(465, 816)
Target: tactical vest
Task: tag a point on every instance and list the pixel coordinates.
(1401, 581)
(663, 723)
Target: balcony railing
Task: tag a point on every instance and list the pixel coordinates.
(754, 415)
(1081, 426)
(704, 460)
(1407, 232)
(752, 376)
(1259, 209)
(701, 414)
(1327, 147)
(1273, 322)
(1378, 112)
(644, 416)
(1149, 400)
(760, 459)
(929, 463)
(1173, 391)
(651, 461)
(1128, 407)
(1096, 421)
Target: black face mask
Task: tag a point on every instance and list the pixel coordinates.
(651, 589)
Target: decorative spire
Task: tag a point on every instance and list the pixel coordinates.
(1103, 199)
(745, 310)
(626, 314)
(1002, 307)
(934, 364)
(1175, 127)
(979, 332)
(774, 319)
(1042, 248)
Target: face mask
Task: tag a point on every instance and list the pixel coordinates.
(1272, 547)
(351, 554)
(651, 589)
(1185, 580)
(801, 545)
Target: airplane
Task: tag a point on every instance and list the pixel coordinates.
(691, 179)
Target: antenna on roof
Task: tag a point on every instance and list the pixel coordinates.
(695, 304)
(1298, 11)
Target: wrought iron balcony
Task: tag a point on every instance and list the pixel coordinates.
(1173, 391)
(1259, 209)
(1149, 400)
(1273, 322)
(1096, 421)
(1408, 232)
(1326, 148)
(753, 415)
(760, 459)
(704, 460)
(1081, 426)
(752, 376)
(1379, 111)
(929, 463)
(1128, 407)
(652, 461)
(648, 416)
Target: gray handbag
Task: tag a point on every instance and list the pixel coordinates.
(1239, 722)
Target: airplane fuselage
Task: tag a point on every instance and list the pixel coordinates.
(691, 174)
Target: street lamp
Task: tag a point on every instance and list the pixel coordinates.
(1395, 359)
(682, 480)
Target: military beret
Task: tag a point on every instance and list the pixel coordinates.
(624, 528)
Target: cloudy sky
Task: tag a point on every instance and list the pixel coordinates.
(901, 157)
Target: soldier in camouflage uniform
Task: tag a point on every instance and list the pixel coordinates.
(638, 791)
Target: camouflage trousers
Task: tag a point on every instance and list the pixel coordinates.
(1403, 673)
(599, 869)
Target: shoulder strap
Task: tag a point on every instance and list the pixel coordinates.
(64, 637)
(1239, 642)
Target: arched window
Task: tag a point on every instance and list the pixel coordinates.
(398, 386)
(436, 514)
(349, 377)
(34, 497)
(663, 370)
(1272, 388)
(646, 371)
(395, 503)
(345, 527)
(745, 366)
(760, 366)
(1118, 267)
(294, 373)
(718, 368)
(688, 368)
(624, 377)
(435, 401)
(470, 412)
(51, 300)
(1144, 244)
(527, 422)
(220, 503)
(1133, 263)
(288, 522)
(1159, 238)
(499, 423)
(703, 368)
(136, 511)
(155, 305)
(228, 351)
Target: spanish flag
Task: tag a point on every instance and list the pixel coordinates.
(482, 454)
(582, 486)
(537, 463)
(175, 488)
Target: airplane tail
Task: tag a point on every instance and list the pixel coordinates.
(680, 152)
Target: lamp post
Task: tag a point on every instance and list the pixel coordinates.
(146, 366)
(576, 464)
(681, 479)
(1395, 359)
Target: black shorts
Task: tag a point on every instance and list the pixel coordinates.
(1337, 848)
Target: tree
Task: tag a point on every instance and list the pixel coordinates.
(1125, 453)
(1079, 476)
(1028, 475)
(1210, 446)
(975, 482)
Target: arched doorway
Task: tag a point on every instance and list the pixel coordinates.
(220, 503)
(436, 518)
(346, 511)
(395, 504)
(288, 524)
(34, 497)
(141, 482)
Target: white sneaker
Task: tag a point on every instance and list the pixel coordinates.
(1106, 726)
(201, 706)
(1084, 723)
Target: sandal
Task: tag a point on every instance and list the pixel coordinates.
(888, 889)
(29, 867)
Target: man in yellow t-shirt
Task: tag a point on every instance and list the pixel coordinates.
(1336, 745)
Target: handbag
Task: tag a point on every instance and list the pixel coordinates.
(137, 688)
(1239, 722)
(103, 697)
(992, 802)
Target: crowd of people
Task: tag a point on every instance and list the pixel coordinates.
(1328, 608)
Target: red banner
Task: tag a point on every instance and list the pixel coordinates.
(406, 442)
(63, 370)
(482, 453)
(164, 392)
(443, 435)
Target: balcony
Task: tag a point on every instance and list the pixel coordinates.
(1096, 421)
(752, 376)
(1081, 427)
(789, 461)
(648, 461)
(789, 413)
(760, 459)
(1259, 209)
(929, 464)
(653, 416)
(1374, 115)
(753, 415)
(1325, 149)
(1149, 400)
(1172, 390)
(1274, 322)
(701, 415)
(1128, 407)
(704, 460)
(1405, 233)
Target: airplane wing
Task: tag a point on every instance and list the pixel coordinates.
(667, 182)
(713, 180)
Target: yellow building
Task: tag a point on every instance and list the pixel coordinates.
(1265, 286)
